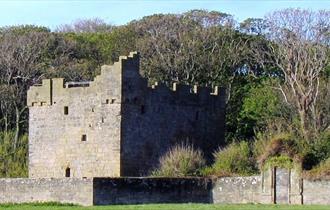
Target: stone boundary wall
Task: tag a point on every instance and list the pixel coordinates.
(64, 190)
(151, 190)
(316, 192)
(178, 190)
(106, 191)
(237, 190)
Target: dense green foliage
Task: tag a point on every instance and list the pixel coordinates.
(274, 83)
(279, 150)
(280, 161)
(166, 207)
(319, 151)
(261, 105)
(235, 159)
(13, 161)
(320, 172)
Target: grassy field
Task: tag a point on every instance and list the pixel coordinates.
(163, 207)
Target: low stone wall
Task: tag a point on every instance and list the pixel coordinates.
(237, 190)
(151, 190)
(104, 191)
(64, 190)
(316, 192)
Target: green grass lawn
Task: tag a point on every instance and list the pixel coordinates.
(164, 207)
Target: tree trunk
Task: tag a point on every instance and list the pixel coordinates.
(303, 126)
(6, 123)
(17, 126)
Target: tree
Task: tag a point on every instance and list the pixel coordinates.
(88, 51)
(261, 105)
(23, 29)
(20, 66)
(198, 48)
(299, 50)
(254, 26)
(210, 18)
(192, 48)
(85, 26)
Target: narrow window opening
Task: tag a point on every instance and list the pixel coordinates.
(84, 137)
(66, 110)
(67, 172)
(113, 100)
(197, 115)
(143, 109)
(102, 119)
(92, 109)
(107, 101)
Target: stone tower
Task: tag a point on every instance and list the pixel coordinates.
(117, 125)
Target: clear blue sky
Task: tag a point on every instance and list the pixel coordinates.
(52, 13)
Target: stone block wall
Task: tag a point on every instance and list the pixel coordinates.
(23, 190)
(151, 190)
(155, 118)
(316, 192)
(169, 117)
(77, 132)
(237, 190)
(106, 191)
(80, 130)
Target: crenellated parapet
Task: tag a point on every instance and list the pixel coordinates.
(185, 94)
(119, 65)
(187, 89)
(122, 79)
(40, 95)
(43, 94)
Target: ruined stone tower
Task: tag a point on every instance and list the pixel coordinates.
(117, 125)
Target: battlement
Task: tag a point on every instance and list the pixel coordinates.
(182, 89)
(180, 94)
(123, 73)
(42, 94)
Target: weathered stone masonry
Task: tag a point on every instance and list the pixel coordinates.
(104, 191)
(64, 190)
(117, 125)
